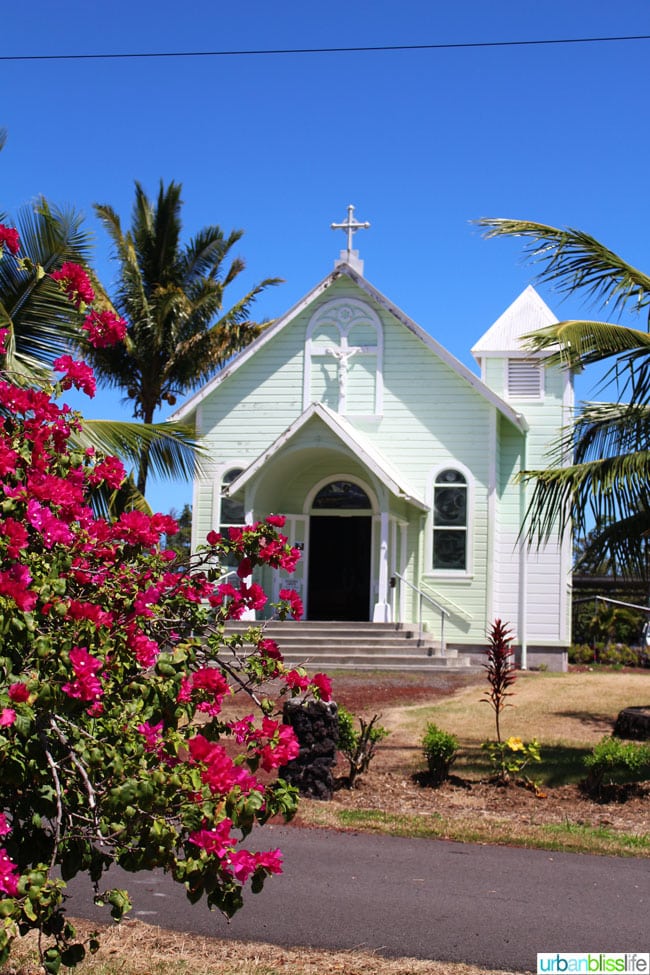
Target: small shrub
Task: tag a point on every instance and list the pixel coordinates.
(614, 761)
(509, 758)
(358, 745)
(581, 653)
(440, 750)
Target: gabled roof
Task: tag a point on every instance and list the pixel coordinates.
(355, 441)
(528, 313)
(187, 409)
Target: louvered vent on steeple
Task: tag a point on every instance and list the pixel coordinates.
(525, 379)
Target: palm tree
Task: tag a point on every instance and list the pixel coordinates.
(172, 297)
(608, 480)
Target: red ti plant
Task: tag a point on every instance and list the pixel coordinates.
(500, 669)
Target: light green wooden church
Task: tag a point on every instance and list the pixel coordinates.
(394, 463)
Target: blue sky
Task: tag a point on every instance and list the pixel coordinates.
(422, 142)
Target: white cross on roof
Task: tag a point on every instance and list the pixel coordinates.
(350, 226)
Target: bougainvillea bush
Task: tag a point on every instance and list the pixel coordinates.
(114, 665)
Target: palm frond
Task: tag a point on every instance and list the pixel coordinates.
(110, 504)
(174, 453)
(572, 260)
(622, 545)
(43, 321)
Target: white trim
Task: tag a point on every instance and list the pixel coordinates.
(522, 602)
(490, 559)
(566, 545)
(381, 610)
(197, 492)
(403, 557)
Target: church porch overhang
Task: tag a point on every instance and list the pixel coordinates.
(319, 449)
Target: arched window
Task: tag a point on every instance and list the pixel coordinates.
(450, 521)
(232, 512)
(341, 494)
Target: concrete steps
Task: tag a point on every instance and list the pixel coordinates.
(358, 646)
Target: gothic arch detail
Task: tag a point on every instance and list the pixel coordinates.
(343, 358)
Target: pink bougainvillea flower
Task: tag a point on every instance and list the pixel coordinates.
(146, 650)
(245, 568)
(5, 828)
(14, 583)
(52, 529)
(7, 717)
(269, 648)
(104, 328)
(86, 686)
(9, 238)
(164, 524)
(9, 875)
(8, 459)
(16, 535)
(220, 773)
(278, 521)
(295, 680)
(18, 693)
(242, 864)
(324, 686)
(289, 560)
(243, 730)
(270, 860)
(75, 282)
(216, 840)
(110, 470)
(253, 595)
(295, 602)
(135, 527)
(281, 747)
(210, 685)
(77, 374)
(78, 610)
(152, 734)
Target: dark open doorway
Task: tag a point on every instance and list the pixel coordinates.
(339, 568)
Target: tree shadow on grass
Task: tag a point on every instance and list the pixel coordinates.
(560, 764)
(588, 719)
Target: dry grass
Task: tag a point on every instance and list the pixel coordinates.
(575, 708)
(134, 948)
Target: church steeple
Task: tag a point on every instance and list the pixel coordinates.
(350, 226)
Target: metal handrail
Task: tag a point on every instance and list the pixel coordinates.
(423, 595)
(226, 575)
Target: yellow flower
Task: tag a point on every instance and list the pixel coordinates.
(515, 744)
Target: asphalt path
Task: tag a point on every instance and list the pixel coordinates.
(491, 906)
